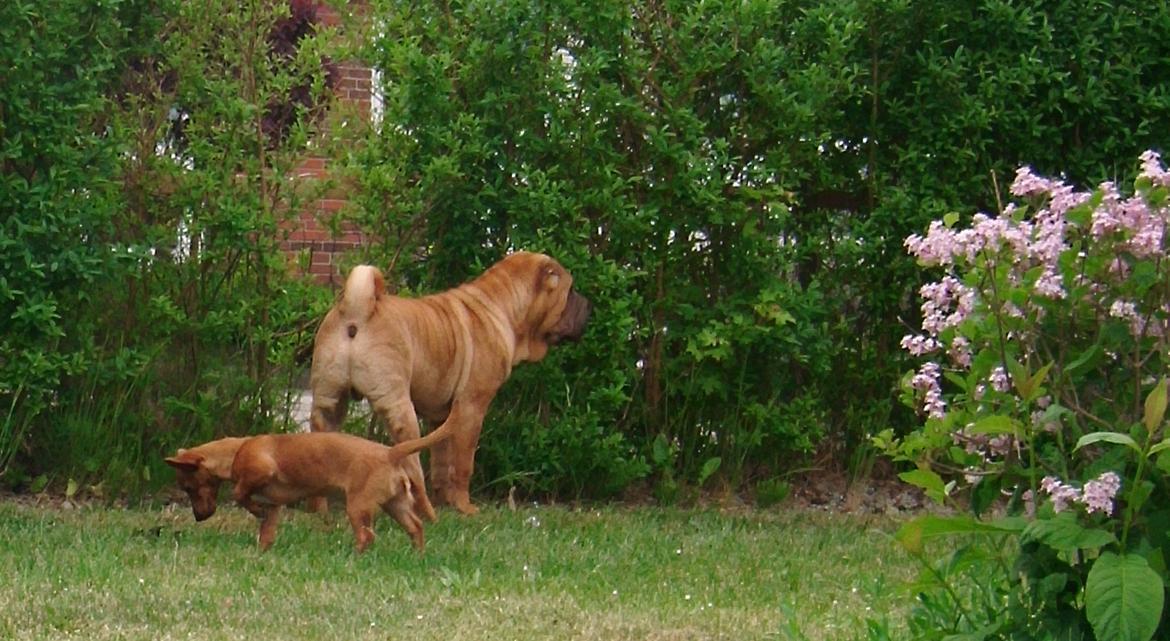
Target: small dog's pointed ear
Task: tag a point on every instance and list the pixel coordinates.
(184, 460)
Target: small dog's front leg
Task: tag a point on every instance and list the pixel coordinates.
(268, 527)
(243, 497)
(362, 521)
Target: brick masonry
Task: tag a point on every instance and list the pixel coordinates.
(311, 245)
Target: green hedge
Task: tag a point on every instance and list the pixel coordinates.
(729, 181)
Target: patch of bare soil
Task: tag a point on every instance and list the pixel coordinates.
(835, 492)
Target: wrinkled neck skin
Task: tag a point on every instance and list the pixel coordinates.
(505, 320)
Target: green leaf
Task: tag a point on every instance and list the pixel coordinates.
(1116, 438)
(1155, 407)
(996, 424)
(1123, 598)
(929, 481)
(914, 533)
(1079, 216)
(661, 452)
(984, 494)
(1024, 382)
(1086, 361)
(39, 483)
(709, 468)
(70, 488)
(1163, 461)
(978, 635)
(1138, 495)
(1018, 373)
(1034, 387)
(1063, 533)
(1160, 446)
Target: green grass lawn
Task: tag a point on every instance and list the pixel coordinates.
(536, 573)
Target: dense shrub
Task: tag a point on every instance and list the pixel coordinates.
(651, 150)
(153, 244)
(746, 172)
(1045, 379)
(59, 169)
(730, 181)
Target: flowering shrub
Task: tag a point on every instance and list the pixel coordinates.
(1045, 356)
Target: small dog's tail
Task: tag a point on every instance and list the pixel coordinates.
(406, 448)
(364, 286)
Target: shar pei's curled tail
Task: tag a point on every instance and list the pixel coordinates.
(363, 288)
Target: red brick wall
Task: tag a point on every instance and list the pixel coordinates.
(310, 244)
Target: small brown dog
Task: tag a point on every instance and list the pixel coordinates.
(285, 468)
(200, 470)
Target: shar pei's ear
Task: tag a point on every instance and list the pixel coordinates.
(568, 311)
(551, 278)
(547, 271)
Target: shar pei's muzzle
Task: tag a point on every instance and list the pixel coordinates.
(441, 357)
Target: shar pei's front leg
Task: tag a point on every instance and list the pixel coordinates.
(453, 461)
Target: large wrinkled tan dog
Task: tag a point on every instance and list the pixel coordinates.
(441, 357)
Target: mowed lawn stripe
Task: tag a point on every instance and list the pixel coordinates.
(540, 572)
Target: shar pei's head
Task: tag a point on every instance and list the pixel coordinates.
(551, 310)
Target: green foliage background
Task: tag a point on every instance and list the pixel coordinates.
(730, 183)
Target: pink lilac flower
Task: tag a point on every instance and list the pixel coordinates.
(1049, 284)
(1039, 422)
(919, 345)
(926, 377)
(937, 248)
(984, 445)
(1123, 309)
(1139, 228)
(1105, 219)
(933, 403)
(1147, 240)
(1065, 198)
(972, 443)
(926, 380)
(999, 380)
(1138, 325)
(1062, 495)
(945, 304)
(1001, 445)
(1099, 493)
(986, 234)
(1029, 184)
(960, 352)
(1047, 243)
(1152, 168)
